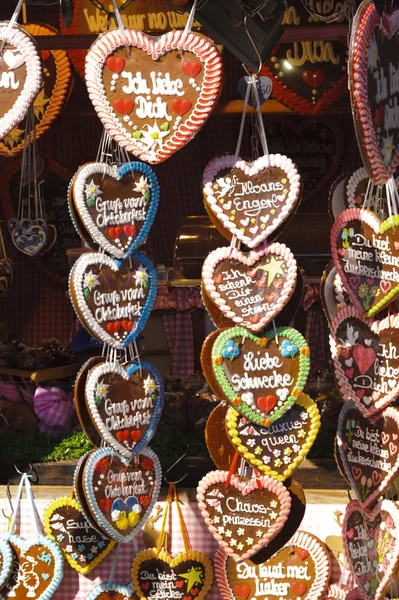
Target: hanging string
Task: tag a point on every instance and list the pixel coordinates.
(121, 27)
(161, 539)
(275, 332)
(261, 127)
(17, 503)
(11, 24)
(29, 494)
(188, 26)
(183, 528)
(244, 112)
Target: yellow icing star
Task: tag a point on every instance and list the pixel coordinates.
(193, 576)
(284, 180)
(273, 268)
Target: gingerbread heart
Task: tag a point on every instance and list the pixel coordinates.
(20, 76)
(37, 568)
(369, 451)
(186, 575)
(366, 361)
(83, 547)
(125, 404)
(113, 591)
(155, 111)
(262, 377)
(228, 511)
(332, 293)
(49, 101)
(365, 252)
(372, 53)
(371, 542)
(117, 206)
(6, 561)
(28, 236)
(251, 200)
(299, 570)
(250, 289)
(113, 301)
(121, 493)
(279, 449)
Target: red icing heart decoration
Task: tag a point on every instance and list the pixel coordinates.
(365, 252)
(371, 542)
(314, 79)
(366, 360)
(369, 451)
(303, 568)
(155, 111)
(219, 507)
(373, 53)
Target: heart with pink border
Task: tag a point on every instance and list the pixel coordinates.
(373, 50)
(157, 110)
(250, 289)
(371, 542)
(368, 451)
(220, 505)
(366, 362)
(365, 252)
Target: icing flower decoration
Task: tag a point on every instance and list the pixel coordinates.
(282, 394)
(346, 235)
(92, 191)
(90, 282)
(143, 186)
(149, 386)
(288, 349)
(101, 391)
(141, 276)
(231, 350)
(153, 137)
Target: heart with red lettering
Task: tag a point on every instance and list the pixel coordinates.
(228, 511)
(369, 451)
(251, 200)
(366, 360)
(250, 289)
(365, 252)
(371, 542)
(155, 111)
(303, 566)
(374, 94)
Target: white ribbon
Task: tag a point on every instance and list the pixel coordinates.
(29, 495)
(121, 26)
(188, 26)
(17, 503)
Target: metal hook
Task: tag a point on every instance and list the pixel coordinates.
(10, 502)
(254, 47)
(28, 473)
(174, 464)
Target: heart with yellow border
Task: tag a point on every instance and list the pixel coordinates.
(186, 576)
(279, 449)
(83, 547)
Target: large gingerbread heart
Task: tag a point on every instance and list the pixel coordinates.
(365, 252)
(83, 547)
(121, 493)
(279, 449)
(244, 515)
(49, 101)
(300, 570)
(262, 377)
(153, 99)
(113, 591)
(6, 561)
(251, 200)
(186, 576)
(20, 76)
(125, 404)
(113, 301)
(372, 62)
(371, 542)
(117, 206)
(369, 451)
(366, 361)
(250, 289)
(37, 568)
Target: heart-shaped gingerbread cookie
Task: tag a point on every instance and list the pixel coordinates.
(250, 289)
(37, 568)
(125, 404)
(366, 361)
(83, 547)
(6, 561)
(120, 493)
(245, 515)
(371, 542)
(279, 449)
(299, 570)
(20, 75)
(262, 377)
(113, 591)
(113, 301)
(369, 451)
(117, 206)
(185, 576)
(365, 252)
(156, 110)
(374, 94)
(251, 200)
